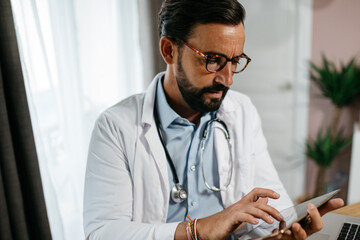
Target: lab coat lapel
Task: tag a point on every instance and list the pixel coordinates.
(157, 151)
(151, 134)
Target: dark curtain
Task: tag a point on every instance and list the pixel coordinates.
(22, 205)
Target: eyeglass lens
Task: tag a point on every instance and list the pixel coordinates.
(216, 63)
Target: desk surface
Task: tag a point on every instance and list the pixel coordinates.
(350, 210)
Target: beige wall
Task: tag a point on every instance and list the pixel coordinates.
(336, 33)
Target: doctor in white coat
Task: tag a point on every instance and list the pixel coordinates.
(128, 180)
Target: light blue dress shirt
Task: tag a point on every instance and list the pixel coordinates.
(182, 139)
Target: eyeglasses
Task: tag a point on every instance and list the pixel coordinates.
(216, 62)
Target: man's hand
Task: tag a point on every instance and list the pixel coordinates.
(313, 223)
(249, 209)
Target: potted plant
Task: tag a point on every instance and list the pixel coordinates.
(341, 87)
(323, 150)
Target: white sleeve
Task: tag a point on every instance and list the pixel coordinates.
(108, 194)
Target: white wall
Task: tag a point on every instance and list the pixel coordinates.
(278, 35)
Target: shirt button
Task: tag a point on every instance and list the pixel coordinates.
(193, 203)
(193, 168)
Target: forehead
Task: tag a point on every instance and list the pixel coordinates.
(221, 38)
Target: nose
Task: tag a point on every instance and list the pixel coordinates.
(226, 75)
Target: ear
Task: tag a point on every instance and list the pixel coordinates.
(167, 49)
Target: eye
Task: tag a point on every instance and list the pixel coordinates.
(215, 59)
(235, 61)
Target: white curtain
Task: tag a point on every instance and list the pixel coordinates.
(79, 57)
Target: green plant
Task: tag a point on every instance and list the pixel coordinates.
(341, 86)
(323, 150)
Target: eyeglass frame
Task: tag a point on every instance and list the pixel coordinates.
(206, 57)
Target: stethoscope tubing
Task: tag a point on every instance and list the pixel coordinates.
(202, 148)
(179, 193)
(168, 157)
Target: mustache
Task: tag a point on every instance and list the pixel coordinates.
(215, 88)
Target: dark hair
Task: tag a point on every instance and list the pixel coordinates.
(177, 18)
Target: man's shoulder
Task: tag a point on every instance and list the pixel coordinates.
(125, 111)
(130, 104)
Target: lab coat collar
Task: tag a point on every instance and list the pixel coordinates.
(227, 105)
(149, 102)
(166, 114)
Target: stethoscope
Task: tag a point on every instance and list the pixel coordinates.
(178, 192)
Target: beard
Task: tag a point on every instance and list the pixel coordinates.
(195, 97)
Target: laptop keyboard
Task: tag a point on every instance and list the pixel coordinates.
(349, 231)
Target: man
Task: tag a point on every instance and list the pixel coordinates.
(148, 165)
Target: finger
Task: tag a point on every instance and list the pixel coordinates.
(279, 236)
(316, 223)
(246, 217)
(288, 235)
(331, 205)
(263, 200)
(270, 211)
(284, 236)
(257, 193)
(298, 231)
(261, 211)
(282, 225)
(255, 213)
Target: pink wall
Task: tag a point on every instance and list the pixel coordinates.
(336, 33)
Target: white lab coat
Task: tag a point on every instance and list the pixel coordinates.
(127, 187)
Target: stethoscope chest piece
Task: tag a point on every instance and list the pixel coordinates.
(178, 193)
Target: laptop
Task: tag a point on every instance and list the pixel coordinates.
(338, 226)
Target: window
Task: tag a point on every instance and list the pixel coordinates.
(78, 58)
